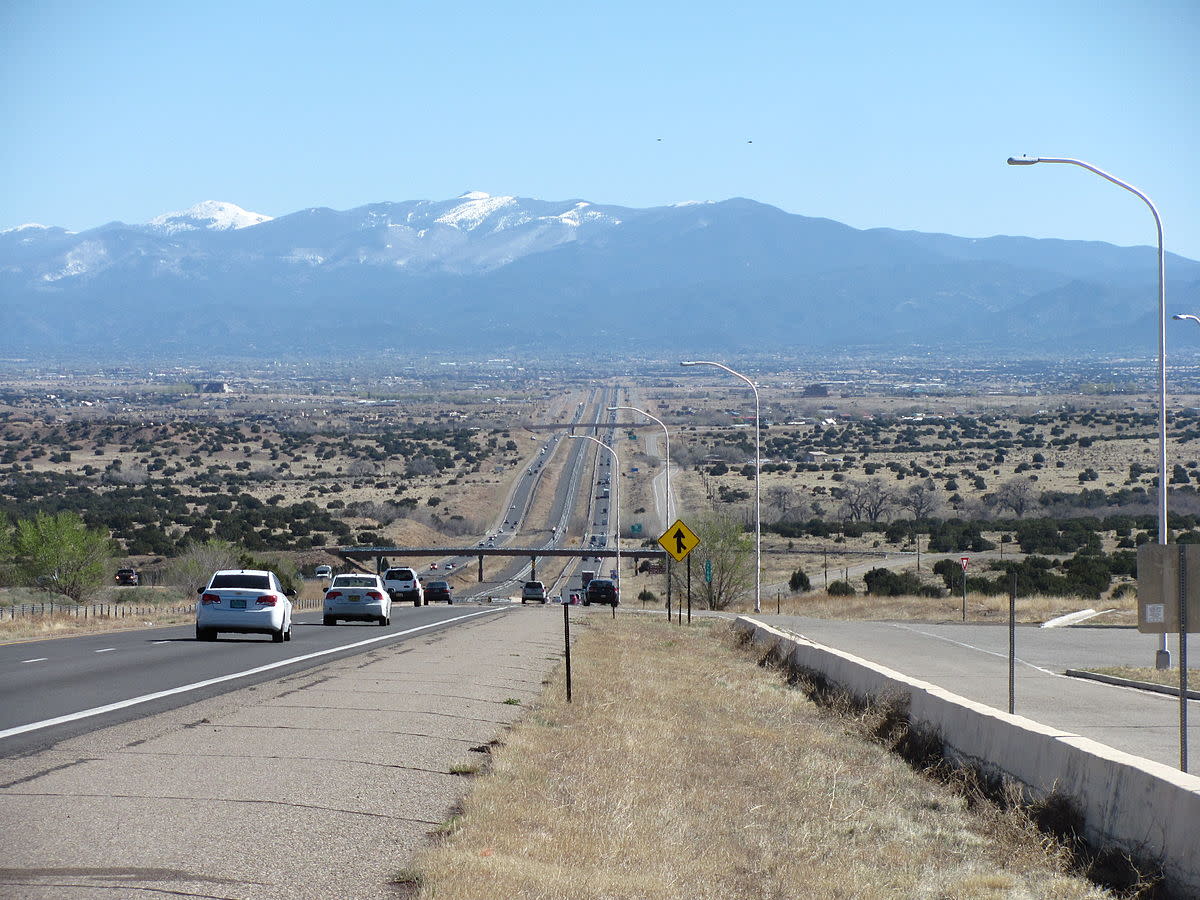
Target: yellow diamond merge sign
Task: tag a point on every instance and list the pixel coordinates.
(679, 540)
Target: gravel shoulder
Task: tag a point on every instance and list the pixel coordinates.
(321, 784)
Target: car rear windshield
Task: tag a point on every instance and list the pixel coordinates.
(353, 581)
(254, 582)
(438, 585)
(400, 574)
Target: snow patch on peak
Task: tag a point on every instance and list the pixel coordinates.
(474, 195)
(28, 226)
(214, 215)
(474, 212)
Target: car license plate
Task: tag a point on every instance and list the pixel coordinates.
(354, 598)
(237, 604)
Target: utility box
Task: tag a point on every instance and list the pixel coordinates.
(1160, 569)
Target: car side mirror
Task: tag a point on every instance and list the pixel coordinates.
(292, 592)
(200, 590)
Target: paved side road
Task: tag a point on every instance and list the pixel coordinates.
(318, 785)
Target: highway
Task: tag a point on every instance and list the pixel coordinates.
(54, 689)
(162, 668)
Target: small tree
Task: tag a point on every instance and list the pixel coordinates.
(193, 567)
(723, 541)
(799, 582)
(61, 554)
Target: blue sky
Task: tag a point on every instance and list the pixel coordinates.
(871, 113)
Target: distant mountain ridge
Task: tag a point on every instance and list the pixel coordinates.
(479, 272)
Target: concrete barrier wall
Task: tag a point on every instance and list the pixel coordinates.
(1146, 809)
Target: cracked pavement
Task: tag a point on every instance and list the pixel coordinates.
(320, 784)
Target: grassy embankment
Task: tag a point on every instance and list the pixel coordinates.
(684, 770)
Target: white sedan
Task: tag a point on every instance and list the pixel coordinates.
(357, 598)
(244, 601)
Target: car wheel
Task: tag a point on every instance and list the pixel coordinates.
(328, 620)
(383, 620)
(587, 602)
(277, 636)
(205, 634)
(287, 635)
(522, 601)
(544, 601)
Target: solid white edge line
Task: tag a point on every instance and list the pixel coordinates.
(146, 698)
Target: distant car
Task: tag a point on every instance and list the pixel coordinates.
(128, 577)
(323, 572)
(533, 590)
(439, 591)
(433, 565)
(402, 584)
(357, 598)
(601, 590)
(244, 601)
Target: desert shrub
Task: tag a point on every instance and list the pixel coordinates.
(799, 582)
(886, 583)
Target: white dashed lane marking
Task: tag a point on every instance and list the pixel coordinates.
(37, 659)
(105, 650)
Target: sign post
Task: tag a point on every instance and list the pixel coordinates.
(1169, 602)
(679, 541)
(964, 560)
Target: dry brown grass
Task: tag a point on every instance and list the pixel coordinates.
(980, 608)
(683, 770)
(34, 628)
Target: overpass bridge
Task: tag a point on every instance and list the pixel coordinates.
(361, 556)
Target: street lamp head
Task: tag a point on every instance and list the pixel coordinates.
(1023, 160)
(1187, 317)
(689, 363)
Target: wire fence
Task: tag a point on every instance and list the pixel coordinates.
(118, 610)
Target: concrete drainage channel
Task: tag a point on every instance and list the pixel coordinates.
(1136, 807)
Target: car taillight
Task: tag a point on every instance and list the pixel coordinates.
(209, 599)
(375, 595)
(331, 595)
(267, 600)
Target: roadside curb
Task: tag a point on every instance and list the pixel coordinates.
(1130, 683)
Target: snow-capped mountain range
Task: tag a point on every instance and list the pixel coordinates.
(211, 214)
(526, 273)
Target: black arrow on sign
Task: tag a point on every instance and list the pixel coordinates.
(680, 541)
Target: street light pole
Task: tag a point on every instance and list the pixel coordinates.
(1162, 659)
(616, 497)
(757, 478)
(667, 436)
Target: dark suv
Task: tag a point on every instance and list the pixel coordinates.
(128, 577)
(601, 590)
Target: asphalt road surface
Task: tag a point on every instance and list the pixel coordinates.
(972, 661)
(55, 689)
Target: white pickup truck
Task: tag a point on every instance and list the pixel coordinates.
(402, 584)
